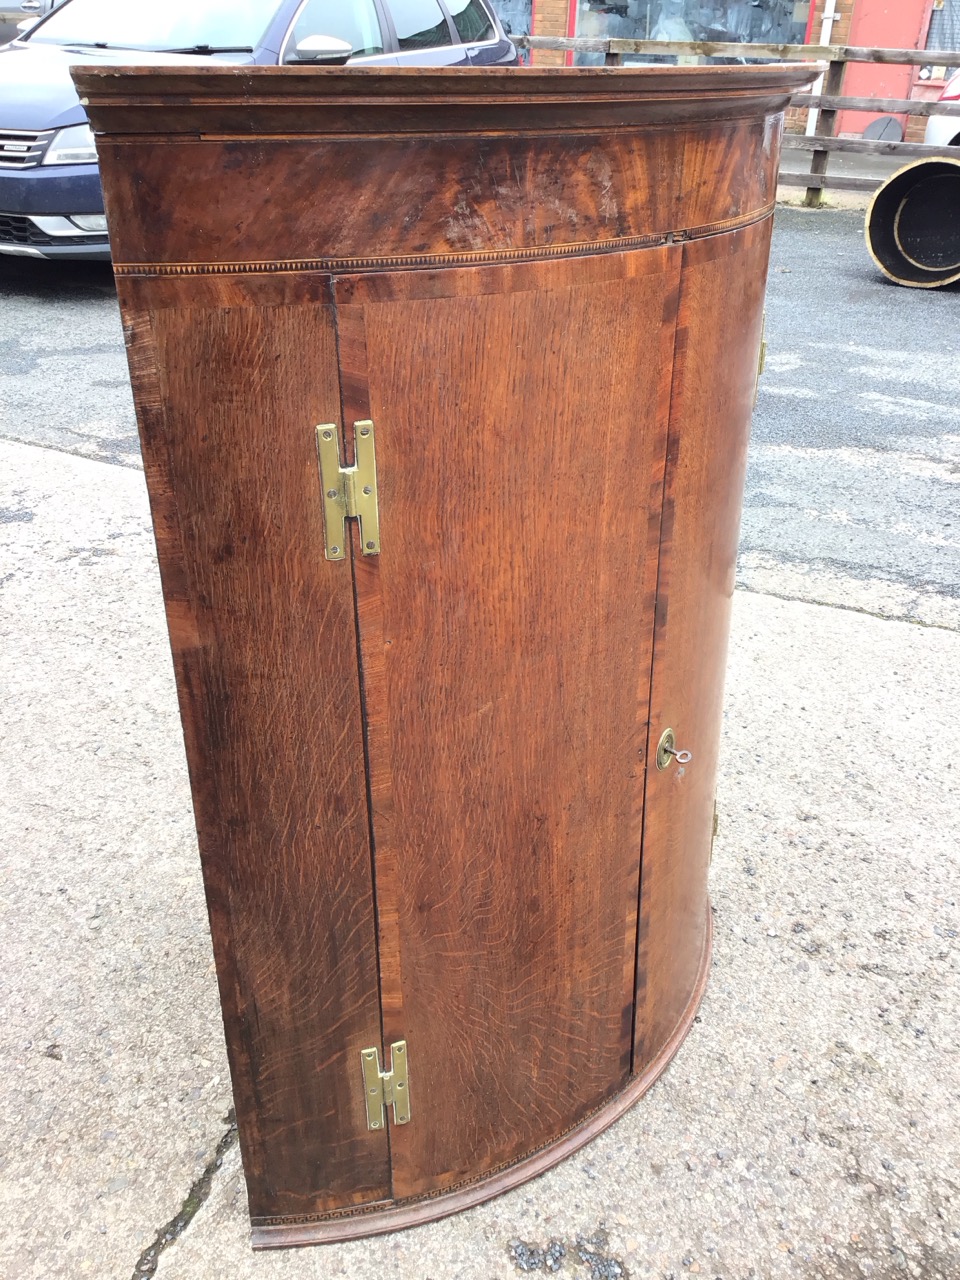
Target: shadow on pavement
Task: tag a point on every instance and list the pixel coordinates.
(42, 277)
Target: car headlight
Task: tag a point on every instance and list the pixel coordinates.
(74, 145)
(90, 221)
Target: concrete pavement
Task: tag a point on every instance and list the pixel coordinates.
(808, 1125)
(855, 447)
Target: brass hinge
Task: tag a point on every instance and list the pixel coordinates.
(386, 1088)
(349, 491)
(762, 357)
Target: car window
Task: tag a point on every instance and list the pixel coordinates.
(355, 22)
(174, 24)
(419, 24)
(471, 20)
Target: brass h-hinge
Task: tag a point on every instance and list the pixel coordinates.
(349, 491)
(762, 356)
(385, 1088)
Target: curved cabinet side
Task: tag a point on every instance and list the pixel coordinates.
(714, 379)
(425, 777)
(278, 1233)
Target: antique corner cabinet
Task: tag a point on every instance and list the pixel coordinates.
(457, 881)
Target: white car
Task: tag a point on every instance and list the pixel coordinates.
(944, 131)
(15, 15)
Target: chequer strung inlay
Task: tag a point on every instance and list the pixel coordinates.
(400, 262)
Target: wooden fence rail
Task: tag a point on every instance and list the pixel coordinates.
(826, 102)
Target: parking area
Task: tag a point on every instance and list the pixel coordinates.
(806, 1129)
(856, 437)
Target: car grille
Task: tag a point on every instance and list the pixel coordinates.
(15, 229)
(22, 150)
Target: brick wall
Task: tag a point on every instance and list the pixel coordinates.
(795, 120)
(841, 28)
(550, 18)
(796, 117)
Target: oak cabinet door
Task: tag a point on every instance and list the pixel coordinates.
(506, 631)
(714, 384)
(264, 641)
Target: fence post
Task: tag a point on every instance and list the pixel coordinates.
(826, 125)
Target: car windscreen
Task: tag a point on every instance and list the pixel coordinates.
(174, 24)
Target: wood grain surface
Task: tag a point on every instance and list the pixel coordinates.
(486, 196)
(374, 1219)
(262, 630)
(351, 102)
(718, 340)
(424, 781)
(506, 672)
(347, 167)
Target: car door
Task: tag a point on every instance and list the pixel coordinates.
(425, 37)
(15, 12)
(476, 28)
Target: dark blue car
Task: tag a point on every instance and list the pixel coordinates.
(51, 205)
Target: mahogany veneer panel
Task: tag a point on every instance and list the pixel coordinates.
(487, 196)
(344, 166)
(425, 781)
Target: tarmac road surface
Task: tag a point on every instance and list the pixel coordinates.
(852, 488)
(855, 461)
(807, 1129)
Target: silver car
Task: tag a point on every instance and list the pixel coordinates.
(14, 17)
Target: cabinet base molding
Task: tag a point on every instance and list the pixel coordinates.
(384, 1216)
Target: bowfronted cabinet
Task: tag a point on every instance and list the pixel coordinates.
(444, 384)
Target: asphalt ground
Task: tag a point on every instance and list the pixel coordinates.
(855, 457)
(856, 440)
(808, 1126)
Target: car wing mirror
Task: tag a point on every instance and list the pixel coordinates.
(323, 49)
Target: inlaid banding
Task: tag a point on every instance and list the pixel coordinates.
(482, 257)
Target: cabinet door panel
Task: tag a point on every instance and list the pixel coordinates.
(718, 338)
(506, 630)
(263, 635)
